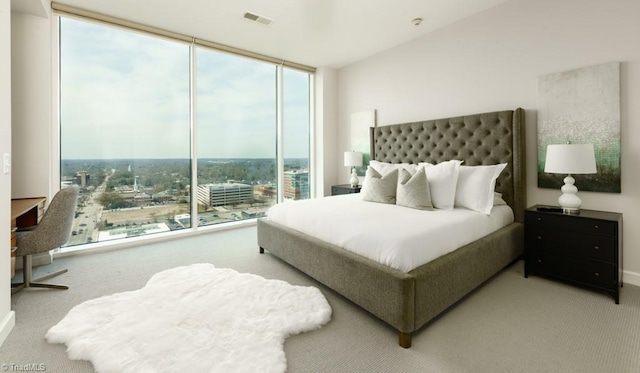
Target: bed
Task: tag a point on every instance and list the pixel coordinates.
(407, 301)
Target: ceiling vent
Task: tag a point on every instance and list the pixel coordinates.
(257, 18)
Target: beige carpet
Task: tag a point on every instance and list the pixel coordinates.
(511, 324)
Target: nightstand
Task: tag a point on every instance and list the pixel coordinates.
(583, 249)
(344, 189)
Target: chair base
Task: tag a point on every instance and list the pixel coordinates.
(28, 283)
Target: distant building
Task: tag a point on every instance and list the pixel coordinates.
(254, 212)
(224, 194)
(183, 220)
(125, 232)
(136, 199)
(268, 191)
(67, 181)
(161, 197)
(82, 178)
(296, 184)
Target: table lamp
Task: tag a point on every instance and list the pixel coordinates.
(353, 159)
(570, 159)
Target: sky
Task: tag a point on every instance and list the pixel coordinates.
(124, 94)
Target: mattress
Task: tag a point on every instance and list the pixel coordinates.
(396, 236)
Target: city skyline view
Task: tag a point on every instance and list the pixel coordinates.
(129, 198)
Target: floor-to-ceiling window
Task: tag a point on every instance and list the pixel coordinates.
(124, 130)
(127, 132)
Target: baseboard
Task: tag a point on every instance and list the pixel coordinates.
(631, 278)
(7, 326)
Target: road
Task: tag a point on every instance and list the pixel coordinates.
(88, 216)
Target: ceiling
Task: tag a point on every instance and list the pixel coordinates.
(331, 33)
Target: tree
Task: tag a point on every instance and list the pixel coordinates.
(110, 200)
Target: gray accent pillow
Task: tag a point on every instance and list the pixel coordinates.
(378, 188)
(413, 190)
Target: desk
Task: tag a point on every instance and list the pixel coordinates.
(25, 212)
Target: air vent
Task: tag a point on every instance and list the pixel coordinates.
(257, 18)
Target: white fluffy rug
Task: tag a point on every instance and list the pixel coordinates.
(195, 318)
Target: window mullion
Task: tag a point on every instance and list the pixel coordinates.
(280, 132)
(312, 140)
(193, 124)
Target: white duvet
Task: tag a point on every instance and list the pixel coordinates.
(400, 237)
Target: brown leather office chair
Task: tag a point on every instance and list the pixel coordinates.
(53, 231)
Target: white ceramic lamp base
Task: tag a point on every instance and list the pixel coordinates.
(569, 200)
(354, 178)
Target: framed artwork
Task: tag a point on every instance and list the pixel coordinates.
(360, 123)
(582, 106)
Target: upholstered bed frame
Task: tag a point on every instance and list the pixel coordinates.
(408, 301)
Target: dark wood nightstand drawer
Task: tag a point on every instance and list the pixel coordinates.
(576, 223)
(590, 246)
(582, 271)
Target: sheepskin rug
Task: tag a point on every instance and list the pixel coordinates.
(195, 318)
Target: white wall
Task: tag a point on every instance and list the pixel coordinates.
(492, 61)
(31, 74)
(7, 317)
(25, 120)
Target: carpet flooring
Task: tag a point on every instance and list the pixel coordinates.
(510, 324)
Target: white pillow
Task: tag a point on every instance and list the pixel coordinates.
(384, 168)
(476, 187)
(497, 199)
(379, 188)
(442, 178)
(413, 190)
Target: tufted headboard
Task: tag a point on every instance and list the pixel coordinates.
(480, 139)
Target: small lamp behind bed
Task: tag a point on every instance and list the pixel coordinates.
(353, 159)
(570, 159)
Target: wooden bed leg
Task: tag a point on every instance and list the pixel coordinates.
(261, 250)
(404, 339)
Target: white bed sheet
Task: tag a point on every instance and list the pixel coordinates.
(396, 236)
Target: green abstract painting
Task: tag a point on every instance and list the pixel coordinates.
(582, 106)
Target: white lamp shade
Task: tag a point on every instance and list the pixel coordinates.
(570, 159)
(352, 159)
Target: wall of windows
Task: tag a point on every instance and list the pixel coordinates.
(128, 139)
